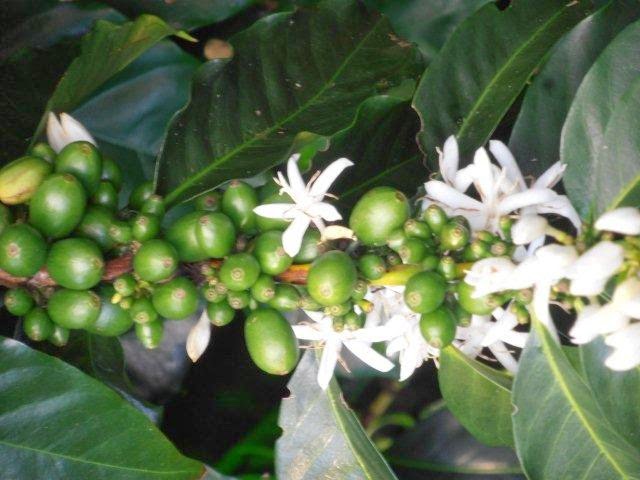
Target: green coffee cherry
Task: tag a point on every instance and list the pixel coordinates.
(182, 235)
(416, 229)
(238, 300)
(150, 334)
(308, 303)
(5, 217)
(37, 325)
(505, 224)
(156, 260)
(353, 320)
(499, 248)
(463, 318)
(59, 337)
(113, 320)
(75, 263)
(425, 292)
(220, 314)
(215, 234)
(111, 172)
(393, 259)
(379, 212)
(286, 298)
(83, 161)
(264, 289)
(239, 271)
(372, 266)
(209, 202)
(154, 205)
(270, 253)
(271, 343)
(176, 299)
(311, 248)
(413, 251)
(120, 232)
(106, 196)
(238, 202)
(359, 290)
(126, 303)
(476, 250)
(22, 250)
(21, 178)
(18, 301)
(57, 207)
(338, 310)
(396, 239)
(140, 194)
(264, 223)
(430, 262)
(438, 327)
(447, 268)
(144, 227)
(486, 237)
(125, 285)
(74, 308)
(478, 306)
(44, 151)
(331, 278)
(142, 311)
(454, 236)
(210, 294)
(435, 217)
(95, 226)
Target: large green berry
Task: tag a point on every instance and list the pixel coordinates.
(209, 201)
(438, 327)
(271, 343)
(74, 308)
(145, 227)
(154, 205)
(37, 325)
(5, 217)
(176, 299)
(265, 223)
(239, 271)
(216, 234)
(95, 225)
(425, 291)
(140, 194)
(150, 334)
(372, 266)
(22, 250)
(264, 289)
(111, 172)
(332, 278)
(44, 151)
(75, 263)
(18, 301)
(156, 260)
(58, 205)
(143, 311)
(238, 202)
(83, 161)
(286, 298)
(483, 305)
(220, 314)
(113, 319)
(106, 196)
(21, 178)
(270, 253)
(311, 248)
(182, 235)
(379, 212)
(60, 336)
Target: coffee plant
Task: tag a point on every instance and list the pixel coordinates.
(430, 205)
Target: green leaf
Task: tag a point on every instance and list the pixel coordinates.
(559, 430)
(536, 133)
(105, 51)
(617, 393)
(58, 423)
(292, 72)
(185, 14)
(427, 23)
(479, 396)
(483, 67)
(322, 437)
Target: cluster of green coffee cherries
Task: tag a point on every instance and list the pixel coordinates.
(81, 262)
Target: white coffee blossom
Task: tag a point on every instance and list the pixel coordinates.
(625, 220)
(66, 130)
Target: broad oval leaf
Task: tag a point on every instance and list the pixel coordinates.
(617, 393)
(559, 430)
(292, 72)
(597, 177)
(494, 53)
(536, 133)
(479, 396)
(58, 423)
(321, 436)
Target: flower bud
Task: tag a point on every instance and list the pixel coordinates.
(20, 179)
(61, 133)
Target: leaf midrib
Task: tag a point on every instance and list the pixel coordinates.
(171, 197)
(503, 71)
